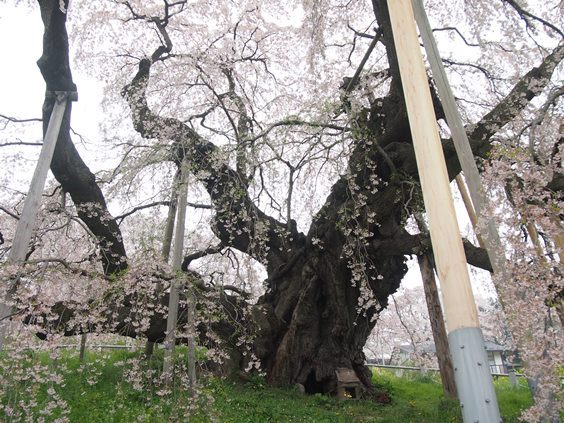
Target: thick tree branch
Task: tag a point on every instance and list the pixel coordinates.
(199, 254)
(238, 222)
(354, 80)
(525, 15)
(9, 213)
(528, 87)
(67, 165)
(243, 129)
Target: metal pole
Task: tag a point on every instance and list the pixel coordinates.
(473, 378)
(33, 199)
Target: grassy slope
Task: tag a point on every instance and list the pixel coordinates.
(107, 398)
(418, 400)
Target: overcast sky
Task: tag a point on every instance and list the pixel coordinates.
(22, 88)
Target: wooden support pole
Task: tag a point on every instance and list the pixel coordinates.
(491, 241)
(190, 322)
(473, 378)
(534, 235)
(33, 197)
(438, 326)
(174, 297)
(169, 228)
(436, 318)
(469, 208)
(559, 236)
(27, 219)
(82, 352)
(167, 243)
(445, 236)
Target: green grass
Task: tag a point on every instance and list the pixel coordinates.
(420, 398)
(99, 392)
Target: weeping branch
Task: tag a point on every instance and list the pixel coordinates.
(529, 86)
(238, 222)
(525, 15)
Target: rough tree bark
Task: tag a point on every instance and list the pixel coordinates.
(309, 321)
(67, 166)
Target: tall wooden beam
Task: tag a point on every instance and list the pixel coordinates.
(438, 326)
(167, 244)
(26, 223)
(469, 208)
(33, 198)
(175, 286)
(174, 297)
(473, 378)
(436, 318)
(461, 144)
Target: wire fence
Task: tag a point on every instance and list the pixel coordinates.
(494, 370)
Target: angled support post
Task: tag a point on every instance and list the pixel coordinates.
(174, 298)
(26, 223)
(491, 241)
(33, 198)
(473, 379)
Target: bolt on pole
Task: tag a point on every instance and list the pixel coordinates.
(473, 379)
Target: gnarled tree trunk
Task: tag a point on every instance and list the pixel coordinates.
(324, 288)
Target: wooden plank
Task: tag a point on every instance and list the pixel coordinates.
(491, 241)
(460, 309)
(436, 317)
(33, 197)
(167, 243)
(438, 326)
(174, 297)
(469, 208)
(27, 219)
(473, 380)
(190, 322)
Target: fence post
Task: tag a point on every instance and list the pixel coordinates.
(82, 347)
(512, 376)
